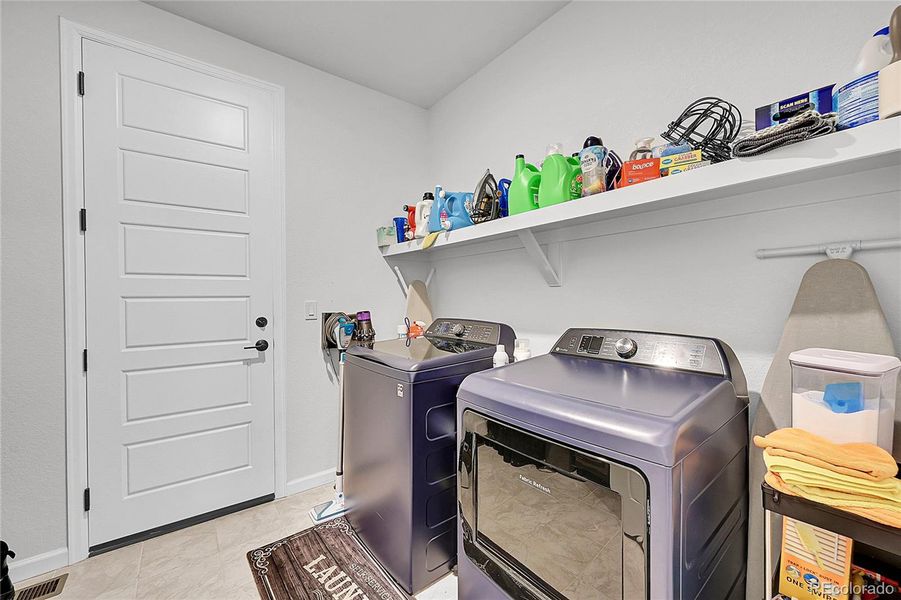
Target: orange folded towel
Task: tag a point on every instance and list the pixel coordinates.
(866, 461)
(880, 515)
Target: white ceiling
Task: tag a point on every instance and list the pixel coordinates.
(415, 51)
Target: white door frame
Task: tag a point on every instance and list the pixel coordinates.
(71, 36)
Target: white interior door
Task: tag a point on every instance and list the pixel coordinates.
(181, 228)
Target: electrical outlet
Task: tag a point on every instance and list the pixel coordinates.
(310, 310)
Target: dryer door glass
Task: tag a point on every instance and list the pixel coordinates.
(557, 522)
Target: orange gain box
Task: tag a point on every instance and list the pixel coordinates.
(636, 171)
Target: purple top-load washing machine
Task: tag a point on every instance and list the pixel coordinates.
(400, 443)
(613, 467)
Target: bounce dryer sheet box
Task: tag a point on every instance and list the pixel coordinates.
(779, 112)
(636, 171)
(816, 563)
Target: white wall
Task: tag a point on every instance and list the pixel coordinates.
(600, 68)
(349, 151)
(352, 153)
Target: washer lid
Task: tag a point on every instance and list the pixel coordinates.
(656, 414)
(423, 353)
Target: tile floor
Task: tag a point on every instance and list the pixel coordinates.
(203, 562)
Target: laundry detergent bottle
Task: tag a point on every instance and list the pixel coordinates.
(423, 213)
(559, 178)
(449, 210)
(523, 193)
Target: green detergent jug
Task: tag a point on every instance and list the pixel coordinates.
(559, 179)
(523, 194)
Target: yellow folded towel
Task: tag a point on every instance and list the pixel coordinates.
(865, 461)
(880, 515)
(803, 475)
(876, 500)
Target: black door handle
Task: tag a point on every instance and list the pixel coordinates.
(260, 345)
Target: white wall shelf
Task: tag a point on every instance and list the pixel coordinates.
(872, 146)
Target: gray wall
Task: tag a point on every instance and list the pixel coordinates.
(592, 69)
(350, 153)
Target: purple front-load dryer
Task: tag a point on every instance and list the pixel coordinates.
(613, 467)
(400, 441)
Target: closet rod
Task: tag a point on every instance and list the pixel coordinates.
(831, 249)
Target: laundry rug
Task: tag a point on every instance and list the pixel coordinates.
(325, 562)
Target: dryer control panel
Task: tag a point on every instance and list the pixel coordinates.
(662, 350)
(479, 332)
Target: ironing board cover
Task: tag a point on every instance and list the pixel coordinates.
(836, 307)
(419, 306)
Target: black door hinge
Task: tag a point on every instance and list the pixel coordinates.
(83, 219)
(87, 499)
(81, 83)
(84, 360)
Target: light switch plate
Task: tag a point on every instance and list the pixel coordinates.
(310, 310)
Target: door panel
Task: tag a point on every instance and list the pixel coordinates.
(183, 183)
(179, 191)
(160, 251)
(177, 390)
(159, 463)
(197, 118)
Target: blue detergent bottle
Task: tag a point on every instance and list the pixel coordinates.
(450, 210)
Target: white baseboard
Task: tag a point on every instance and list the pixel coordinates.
(302, 484)
(21, 569)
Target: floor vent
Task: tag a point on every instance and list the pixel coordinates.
(45, 589)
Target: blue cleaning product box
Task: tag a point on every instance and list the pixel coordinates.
(857, 102)
(819, 100)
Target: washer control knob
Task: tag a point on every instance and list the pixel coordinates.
(625, 347)
(458, 329)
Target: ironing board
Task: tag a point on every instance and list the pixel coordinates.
(836, 307)
(419, 306)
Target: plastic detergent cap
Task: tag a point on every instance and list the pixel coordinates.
(592, 141)
(428, 196)
(845, 360)
(500, 348)
(520, 156)
(883, 31)
(844, 397)
(554, 149)
(363, 315)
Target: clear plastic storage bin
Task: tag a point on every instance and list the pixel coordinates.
(845, 396)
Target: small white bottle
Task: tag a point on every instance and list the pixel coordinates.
(500, 357)
(521, 350)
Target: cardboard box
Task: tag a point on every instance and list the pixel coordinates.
(779, 112)
(688, 167)
(676, 160)
(636, 171)
(816, 563)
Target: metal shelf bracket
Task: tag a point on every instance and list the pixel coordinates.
(550, 265)
(402, 282)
